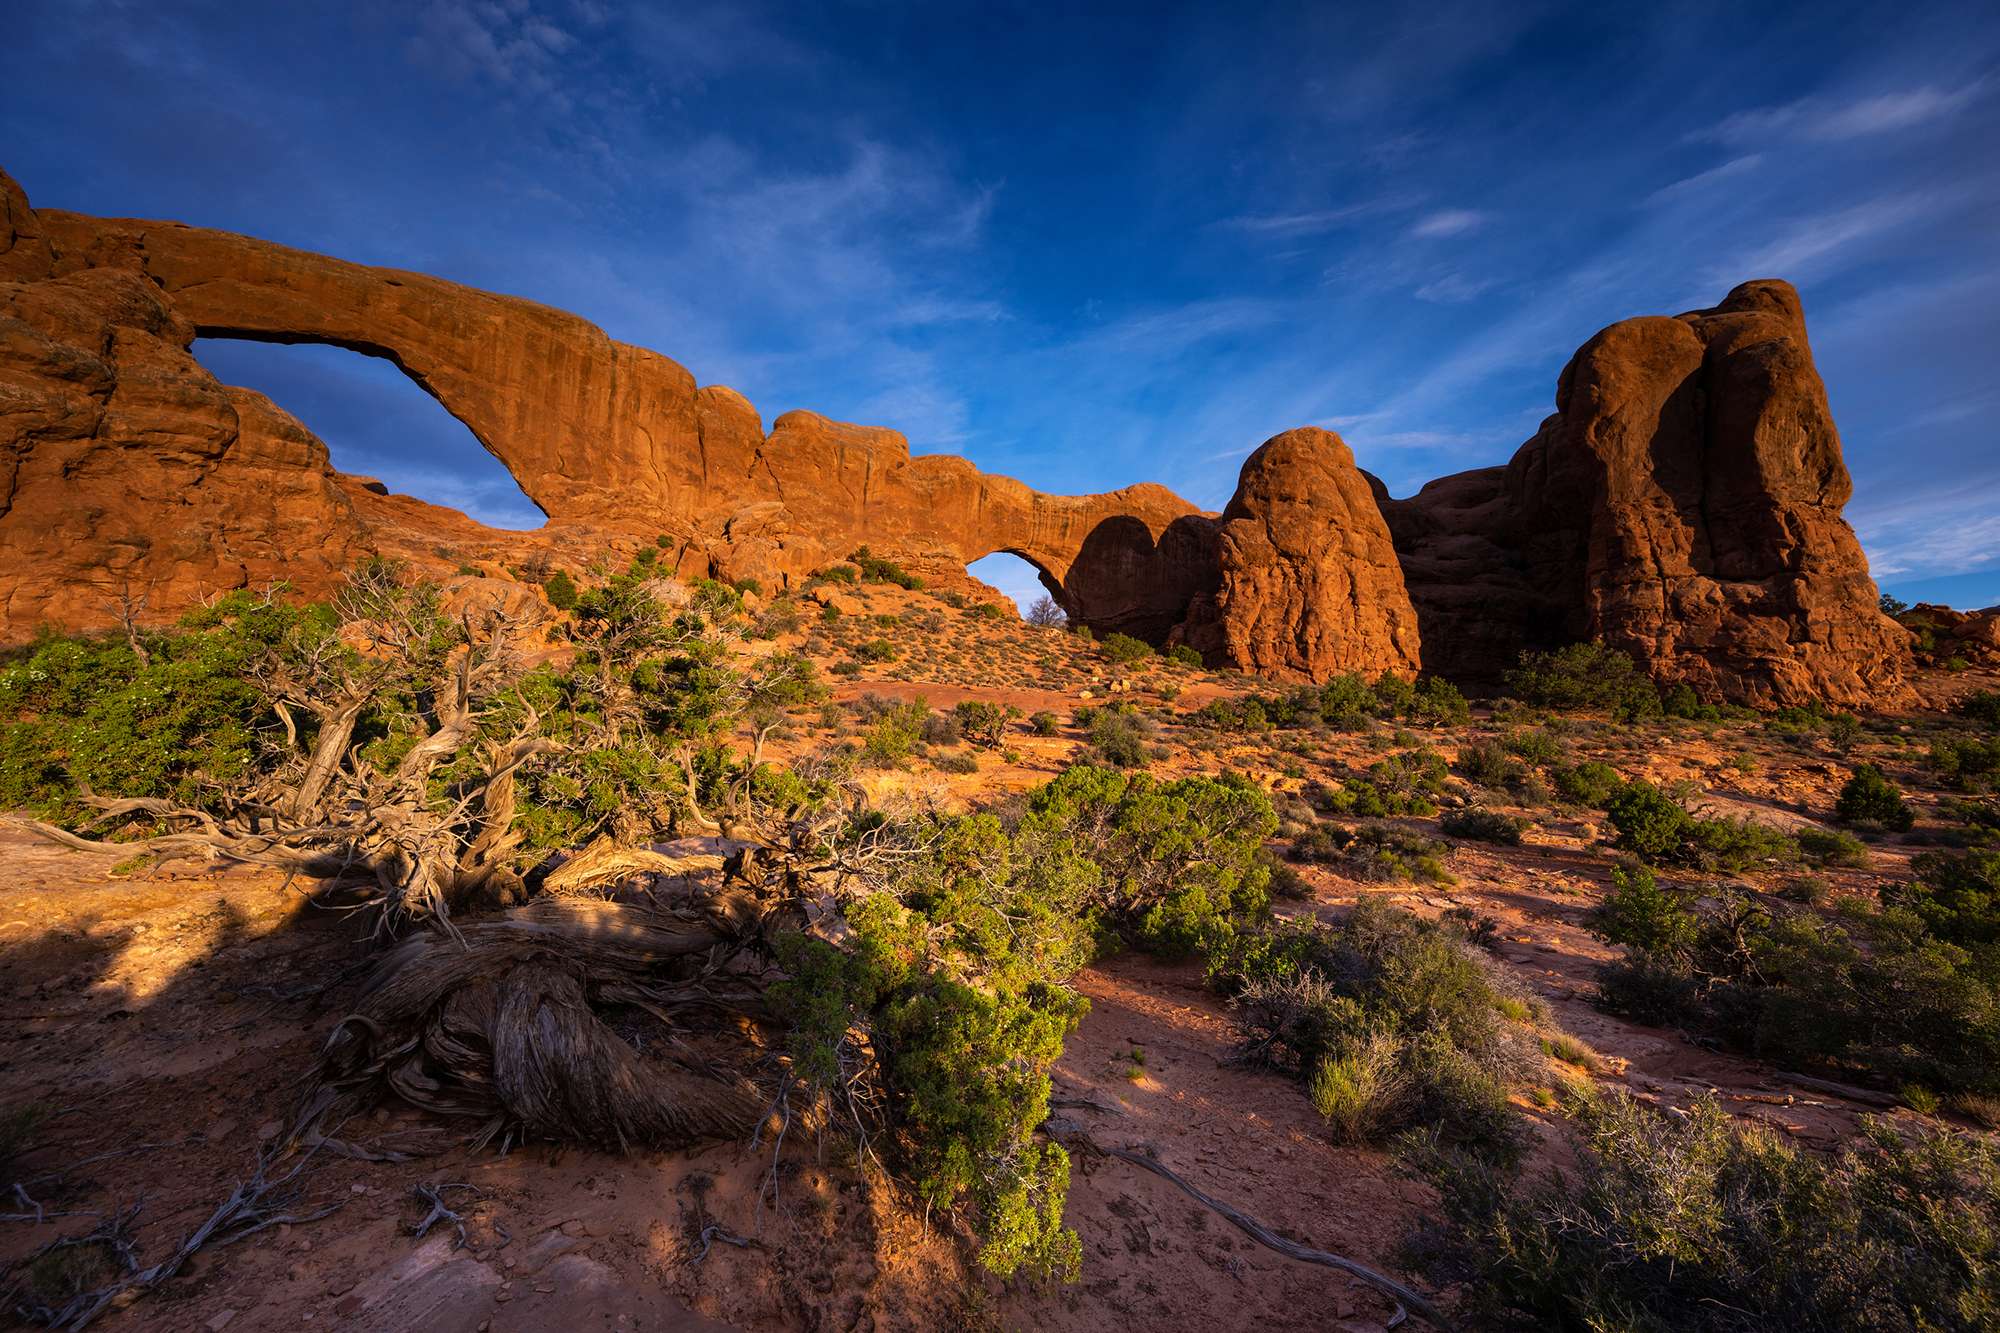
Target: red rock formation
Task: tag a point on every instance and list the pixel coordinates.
(1309, 583)
(1972, 636)
(605, 435)
(1683, 504)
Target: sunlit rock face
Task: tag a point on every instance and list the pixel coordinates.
(1683, 503)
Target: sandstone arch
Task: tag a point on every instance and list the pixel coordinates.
(1683, 502)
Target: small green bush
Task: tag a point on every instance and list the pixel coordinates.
(1388, 1020)
(1591, 783)
(984, 724)
(1120, 737)
(1638, 913)
(1957, 896)
(1705, 1224)
(1649, 822)
(1484, 826)
(1831, 847)
(1966, 763)
(1982, 708)
(1122, 648)
(1870, 800)
(1585, 675)
(560, 589)
(877, 569)
(1044, 723)
(1182, 655)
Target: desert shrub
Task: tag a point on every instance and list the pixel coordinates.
(1585, 675)
(1436, 702)
(877, 569)
(941, 729)
(1183, 862)
(984, 724)
(1592, 783)
(1044, 723)
(1655, 827)
(838, 574)
(1046, 613)
(1957, 897)
(779, 618)
(894, 733)
(1488, 764)
(1182, 655)
(1536, 747)
(1649, 822)
(966, 1017)
(92, 713)
(1734, 844)
(1877, 992)
(1374, 851)
(560, 589)
(1707, 1224)
(1387, 1019)
(984, 611)
(875, 650)
(1120, 737)
(955, 763)
(1124, 648)
(1966, 763)
(1484, 826)
(1982, 708)
(1408, 780)
(1831, 847)
(715, 599)
(1870, 800)
(1640, 914)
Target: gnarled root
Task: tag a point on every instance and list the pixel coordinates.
(507, 1026)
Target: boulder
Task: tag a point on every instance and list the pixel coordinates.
(1309, 582)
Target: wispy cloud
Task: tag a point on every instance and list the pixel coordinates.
(1805, 242)
(512, 46)
(1448, 222)
(1701, 180)
(1827, 119)
(1950, 529)
(1314, 221)
(1454, 289)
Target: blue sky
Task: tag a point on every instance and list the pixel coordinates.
(1091, 246)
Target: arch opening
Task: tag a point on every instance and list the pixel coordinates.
(1014, 574)
(377, 422)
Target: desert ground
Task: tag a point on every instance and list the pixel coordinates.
(159, 1019)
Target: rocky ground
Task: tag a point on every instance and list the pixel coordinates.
(158, 1020)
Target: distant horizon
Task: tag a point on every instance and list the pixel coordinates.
(1131, 258)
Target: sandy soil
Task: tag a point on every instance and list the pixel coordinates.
(162, 1021)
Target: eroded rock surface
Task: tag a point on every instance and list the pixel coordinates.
(1683, 504)
(603, 435)
(1309, 585)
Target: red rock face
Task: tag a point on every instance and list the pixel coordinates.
(606, 436)
(1309, 582)
(1683, 503)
